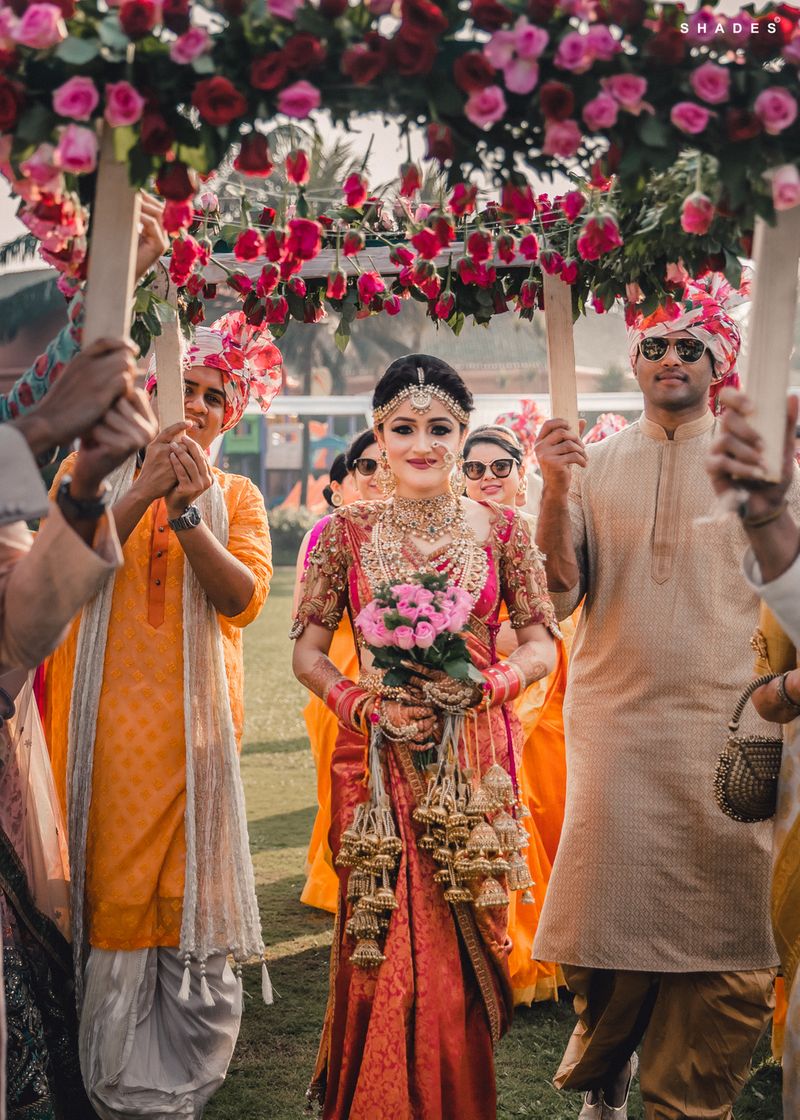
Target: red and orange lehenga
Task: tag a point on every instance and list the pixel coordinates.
(414, 1039)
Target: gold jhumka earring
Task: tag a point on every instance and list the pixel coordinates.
(387, 483)
(522, 490)
(457, 482)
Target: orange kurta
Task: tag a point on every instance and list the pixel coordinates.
(322, 885)
(136, 846)
(542, 781)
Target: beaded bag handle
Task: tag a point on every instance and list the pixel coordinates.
(733, 726)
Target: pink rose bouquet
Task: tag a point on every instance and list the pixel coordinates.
(419, 622)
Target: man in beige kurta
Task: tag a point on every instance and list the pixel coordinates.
(658, 905)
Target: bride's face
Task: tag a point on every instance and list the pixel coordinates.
(416, 446)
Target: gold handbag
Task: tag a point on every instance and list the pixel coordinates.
(746, 775)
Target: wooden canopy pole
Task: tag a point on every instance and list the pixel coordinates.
(560, 350)
(771, 330)
(169, 357)
(112, 251)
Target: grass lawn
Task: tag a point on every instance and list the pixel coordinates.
(277, 1046)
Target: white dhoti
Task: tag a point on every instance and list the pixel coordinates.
(145, 1052)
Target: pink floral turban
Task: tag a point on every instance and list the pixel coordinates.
(704, 312)
(607, 423)
(251, 364)
(525, 424)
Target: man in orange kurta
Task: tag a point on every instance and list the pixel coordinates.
(135, 853)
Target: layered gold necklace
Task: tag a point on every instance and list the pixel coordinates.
(430, 519)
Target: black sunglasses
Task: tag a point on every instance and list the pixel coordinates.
(689, 350)
(501, 468)
(366, 466)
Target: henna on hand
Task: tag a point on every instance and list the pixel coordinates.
(321, 677)
(528, 661)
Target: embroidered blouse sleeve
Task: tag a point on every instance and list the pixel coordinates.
(774, 650)
(523, 582)
(323, 592)
(29, 389)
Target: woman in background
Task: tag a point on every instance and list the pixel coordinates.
(493, 462)
(353, 477)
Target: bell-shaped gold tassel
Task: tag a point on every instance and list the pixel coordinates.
(367, 954)
(490, 894)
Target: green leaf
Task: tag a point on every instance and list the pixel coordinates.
(77, 52)
(204, 65)
(112, 35)
(654, 132)
(35, 124)
(456, 322)
(733, 269)
(342, 335)
(124, 140)
(196, 157)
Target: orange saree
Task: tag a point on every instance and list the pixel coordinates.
(414, 1038)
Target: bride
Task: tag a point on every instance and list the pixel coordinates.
(419, 989)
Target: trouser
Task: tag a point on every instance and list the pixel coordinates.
(698, 1032)
(144, 1051)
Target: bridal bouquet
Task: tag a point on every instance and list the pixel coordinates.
(417, 626)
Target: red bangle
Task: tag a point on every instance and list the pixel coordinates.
(345, 699)
(503, 682)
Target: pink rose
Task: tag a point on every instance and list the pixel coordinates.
(689, 117)
(628, 90)
(40, 167)
(410, 612)
(501, 48)
(572, 204)
(41, 26)
(776, 109)
(521, 75)
(457, 619)
(697, 213)
(600, 112)
(485, 106)
(406, 591)
(424, 635)
(124, 104)
(77, 150)
(298, 100)
(702, 26)
(424, 596)
(711, 83)
(190, 46)
(573, 53)
(438, 619)
(785, 182)
(284, 9)
(601, 42)
(529, 40)
(561, 138)
(403, 637)
(791, 52)
(77, 98)
(599, 235)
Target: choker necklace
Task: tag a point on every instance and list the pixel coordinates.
(464, 562)
(430, 518)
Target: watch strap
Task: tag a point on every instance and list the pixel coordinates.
(82, 509)
(189, 519)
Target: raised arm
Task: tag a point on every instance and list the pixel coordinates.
(557, 451)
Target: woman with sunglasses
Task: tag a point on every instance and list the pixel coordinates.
(494, 470)
(353, 478)
(420, 991)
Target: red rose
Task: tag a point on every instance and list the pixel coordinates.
(473, 71)
(557, 101)
(337, 284)
(9, 59)
(138, 17)
(518, 200)
(277, 309)
(541, 11)
(355, 190)
(297, 285)
(298, 168)
(411, 58)
(232, 8)
(528, 293)
(444, 306)
(254, 158)
(305, 239)
(155, 135)
(12, 98)
(365, 61)
(741, 124)
(479, 246)
(173, 181)
(490, 15)
(440, 145)
(410, 179)
(175, 14)
(569, 273)
(303, 51)
(185, 253)
(240, 282)
(332, 9)
(274, 244)
(249, 245)
(462, 200)
(353, 242)
(668, 47)
(551, 262)
(268, 280)
(626, 13)
(506, 249)
(178, 216)
(269, 71)
(422, 21)
(218, 101)
(267, 216)
(369, 285)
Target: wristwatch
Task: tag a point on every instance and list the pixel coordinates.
(189, 519)
(82, 509)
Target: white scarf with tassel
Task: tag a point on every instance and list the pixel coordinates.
(220, 910)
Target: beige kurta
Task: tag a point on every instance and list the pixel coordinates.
(650, 874)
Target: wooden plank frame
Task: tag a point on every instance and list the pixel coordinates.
(776, 252)
(560, 350)
(112, 252)
(168, 348)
